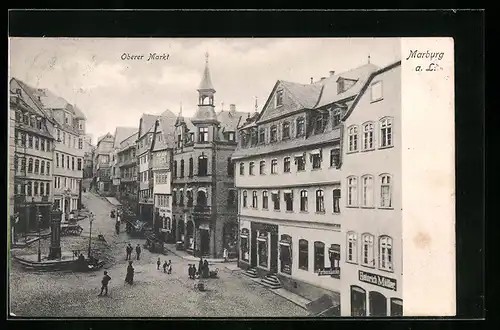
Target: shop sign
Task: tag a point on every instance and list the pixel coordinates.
(329, 272)
(378, 280)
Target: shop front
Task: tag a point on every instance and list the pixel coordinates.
(375, 295)
(264, 249)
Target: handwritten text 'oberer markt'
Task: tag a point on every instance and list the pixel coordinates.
(152, 57)
(431, 56)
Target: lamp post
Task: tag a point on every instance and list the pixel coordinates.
(91, 219)
(38, 218)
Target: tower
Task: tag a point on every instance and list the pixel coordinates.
(206, 106)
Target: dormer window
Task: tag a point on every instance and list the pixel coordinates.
(66, 119)
(230, 136)
(279, 98)
(376, 91)
(336, 117)
(300, 126)
(253, 137)
(80, 124)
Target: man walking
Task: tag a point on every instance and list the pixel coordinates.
(138, 251)
(105, 280)
(129, 250)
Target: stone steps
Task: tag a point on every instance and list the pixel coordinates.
(251, 272)
(271, 281)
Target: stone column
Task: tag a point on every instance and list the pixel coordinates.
(55, 235)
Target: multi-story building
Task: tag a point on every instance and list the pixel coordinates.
(203, 195)
(161, 162)
(127, 164)
(67, 125)
(31, 148)
(88, 150)
(289, 179)
(143, 152)
(121, 133)
(372, 266)
(102, 160)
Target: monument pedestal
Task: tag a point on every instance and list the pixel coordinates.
(55, 235)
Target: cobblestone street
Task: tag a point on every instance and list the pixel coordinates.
(154, 293)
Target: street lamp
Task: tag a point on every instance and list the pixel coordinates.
(91, 219)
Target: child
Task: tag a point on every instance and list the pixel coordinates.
(169, 267)
(158, 263)
(165, 264)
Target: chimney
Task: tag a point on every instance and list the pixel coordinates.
(232, 107)
(311, 80)
(332, 73)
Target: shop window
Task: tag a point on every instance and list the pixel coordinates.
(244, 245)
(244, 198)
(303, 201)
(358, 301)
(396, 307)
(288, 197)
(286, 165)
(276, 200)
(262, 167)
(336, 200)
(377, 303)
(352, 247)
(385, 253)
(334, 257)
(319, 256)
(303, 254)
(265, 201)
(286, 254)
(262, 249)
(254, 199)
(367, 258)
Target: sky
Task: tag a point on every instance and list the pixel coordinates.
(111, 92)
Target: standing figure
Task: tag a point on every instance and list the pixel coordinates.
(169, 267)
(130, 273)
(194, 272)
(206, 270)
(158, 263)
(200, 266)
(165, 264)
(138, 251)
(105, 280)
(225, 254)
(190, 271)
(129, 250)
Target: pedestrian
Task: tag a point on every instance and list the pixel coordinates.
(206, 270)
(224, 253)
(165, 266)
(138, 251)
(200, 266)
(158, 263)
(194, 272)
(190, 271)
(105, 280)
(130, 273)
(129, 250)
(169, 267)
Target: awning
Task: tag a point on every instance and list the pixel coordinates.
(315, 152)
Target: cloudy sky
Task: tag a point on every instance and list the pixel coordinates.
(114, 92)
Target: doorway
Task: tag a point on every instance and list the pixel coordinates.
(253, 249)
(204, 242)
(378, 304)
(66, 206)
(358, 301)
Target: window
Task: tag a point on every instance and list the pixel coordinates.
(274, 134)
(175, 169)
(300, 126)
(319, 125)
(319, 256)
(352, 191)
(79, 164)
(42, 144)
(316, 160)
(286, 130)
(352, 247)
(376, 91)
(242, 169)
(368, 136)
(35, 189)
(231, 198)
(262, 167)
(244, 198)
(23, 164)
(303, 201)
(230, 136)
(286, 165)
(37, 143)
(16, 162)
(174, 197)
(28, 189)
(251, 168)
(73, 163)
(254, 199)
(42, 167)
(47, 188)
(320, 201)
(23, 140)
(203, 134)
(334, 256)
(67, 161)
(367, 256)
(191, 167)
(80, 143)
(262, 135)
(262, 249)
(276, 200)
(182, 168)
(353, 138)
(336, 200)
(37, 166)
(396, 307)
(30, 140)
(274, 166)
(301, 163)
(288, 197)
(385, 253)
(230, 167)
(202, 165)
(303, 254)
(42, 189)
(179, 141)
(367, 195)
(336, 117)
(181, 197)
(335, 157)
(265, 202)
(385, 190)
(386, 132)
(279, 98)
(285, 251)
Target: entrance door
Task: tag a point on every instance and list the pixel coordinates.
(253, 249)
(66, 206)
(358, 301)
(204, 242)
(378, 304)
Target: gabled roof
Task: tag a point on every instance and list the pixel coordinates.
(306, 94)
(129, 141)
(166, 127)
(147, 125)
(122, 133)
(229, 120)
(78, 113)
(105, 136)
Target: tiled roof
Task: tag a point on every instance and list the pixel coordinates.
(306, 94)
(122, 133)
(167, 126)
(31, 92)
(129, 141)
(229, 120)
(148, 122)
(206, 82)
(79, 113)
(286, 145)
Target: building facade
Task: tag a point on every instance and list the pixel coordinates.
(31, 150)
(127, 161)
(102, 164)
(121, 133)
(372, 263)
(289, 165)
(203, 195)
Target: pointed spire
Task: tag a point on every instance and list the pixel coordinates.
(206, 82)
(180, 118)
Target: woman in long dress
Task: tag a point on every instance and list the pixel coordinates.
(130, 273)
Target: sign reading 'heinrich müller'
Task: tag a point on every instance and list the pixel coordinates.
(379, 280)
